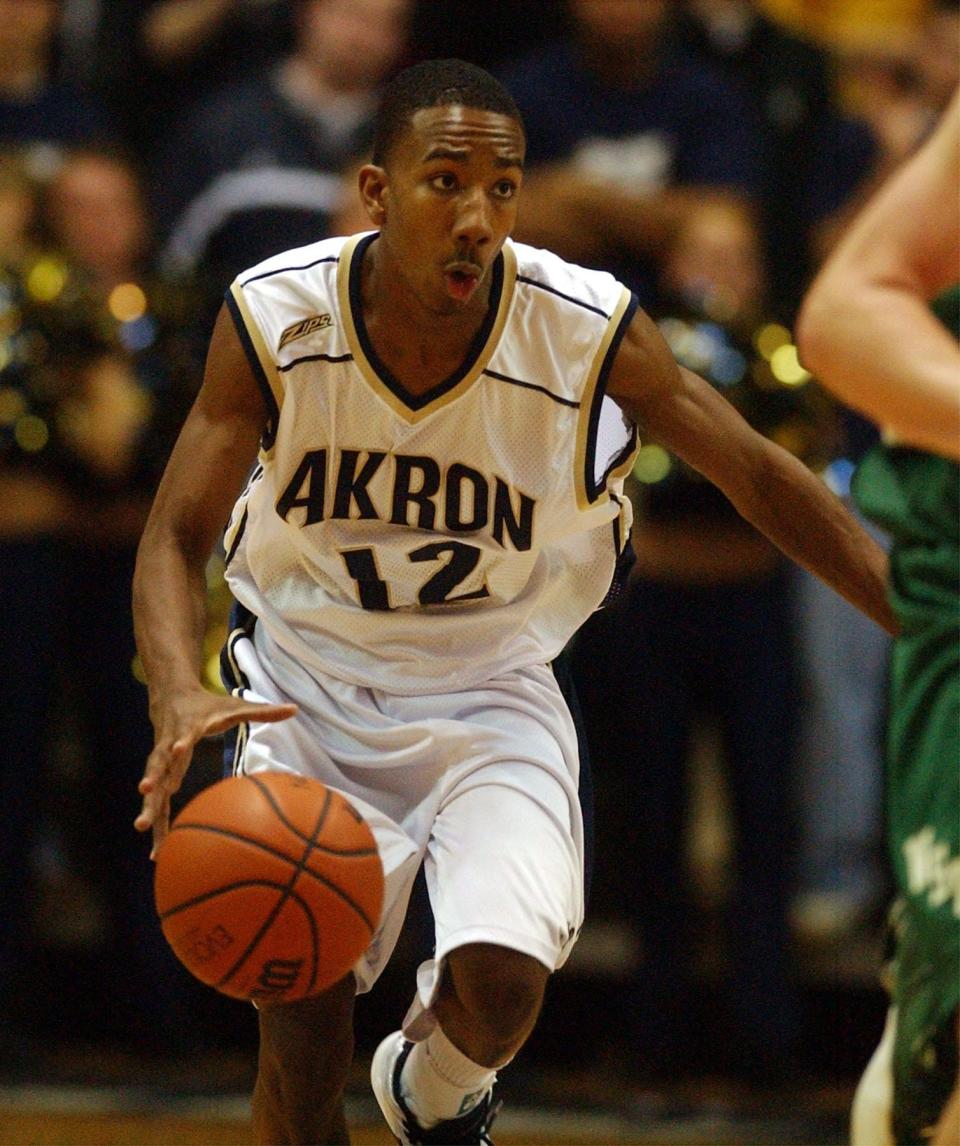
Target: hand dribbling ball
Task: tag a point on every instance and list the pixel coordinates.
(269, 886)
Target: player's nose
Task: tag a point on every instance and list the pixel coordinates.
(474, 221)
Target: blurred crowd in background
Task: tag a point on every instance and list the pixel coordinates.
(709, 152)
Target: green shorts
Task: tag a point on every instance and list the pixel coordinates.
(923, 791)
(925, 1058)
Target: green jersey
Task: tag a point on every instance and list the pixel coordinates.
(915, 497)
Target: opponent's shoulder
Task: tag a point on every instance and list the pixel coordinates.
(542, 272)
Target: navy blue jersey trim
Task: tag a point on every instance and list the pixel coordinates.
(283, 270)
(533, 386)
(563, 673)
(626, 559)
(560, 294)
(316, 358)
(592, 485)
(241, 625)
(236, 541)
(273, 410)
(474, 350)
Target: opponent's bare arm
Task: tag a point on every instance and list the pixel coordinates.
(770, 488)
(865, 329)
(206, 472)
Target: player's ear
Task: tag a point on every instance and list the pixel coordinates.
(373, 192)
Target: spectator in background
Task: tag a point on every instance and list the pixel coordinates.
(830, 23)
(815, 159)
(18, 196)
(704, 635)
(151, 60)
(627, 133)
(936, 59)
(94, 382)
(898, 79)
(40, 115)
(492, 34)
(37, 107)
(813, 156)
(256, 168)
(841, 878)
(95, 213)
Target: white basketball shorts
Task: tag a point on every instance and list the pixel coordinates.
(480, 786)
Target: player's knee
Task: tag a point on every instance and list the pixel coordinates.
(501, 989)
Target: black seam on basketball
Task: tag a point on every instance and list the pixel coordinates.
(323, 849)
(185, 904)
(287, 892)
(318, 827)
(299, 866)
(278, 811)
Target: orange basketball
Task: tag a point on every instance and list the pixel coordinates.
(269, 886)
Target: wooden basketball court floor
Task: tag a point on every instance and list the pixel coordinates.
(83, 1121)
(559, 1111)
(227, 1125)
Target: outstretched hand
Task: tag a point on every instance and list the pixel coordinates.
(178, 731)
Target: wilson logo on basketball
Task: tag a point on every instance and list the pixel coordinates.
(204, 949)
(277, 976)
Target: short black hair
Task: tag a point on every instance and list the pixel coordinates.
(436, 83)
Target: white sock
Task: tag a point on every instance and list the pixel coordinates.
(439, 1082)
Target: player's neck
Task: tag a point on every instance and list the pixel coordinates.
(420, 346)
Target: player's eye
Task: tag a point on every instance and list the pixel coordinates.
(444, 181)
(505, 189)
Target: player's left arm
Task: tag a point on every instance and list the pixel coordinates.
(770, 488)
(865, 328)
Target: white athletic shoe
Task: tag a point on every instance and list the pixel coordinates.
(470, 1129)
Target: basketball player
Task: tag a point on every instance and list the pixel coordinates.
(868, 333)
(444, 419)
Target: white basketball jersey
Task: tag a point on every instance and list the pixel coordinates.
(420, 544)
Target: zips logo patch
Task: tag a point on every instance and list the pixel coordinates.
(304, 327)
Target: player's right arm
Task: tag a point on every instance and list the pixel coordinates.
(206, 472)
(769, 487)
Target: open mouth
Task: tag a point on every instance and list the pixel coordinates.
(461, 282)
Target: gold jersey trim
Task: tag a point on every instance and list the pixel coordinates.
(413, 410)
(586, 429)
(270, 373)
